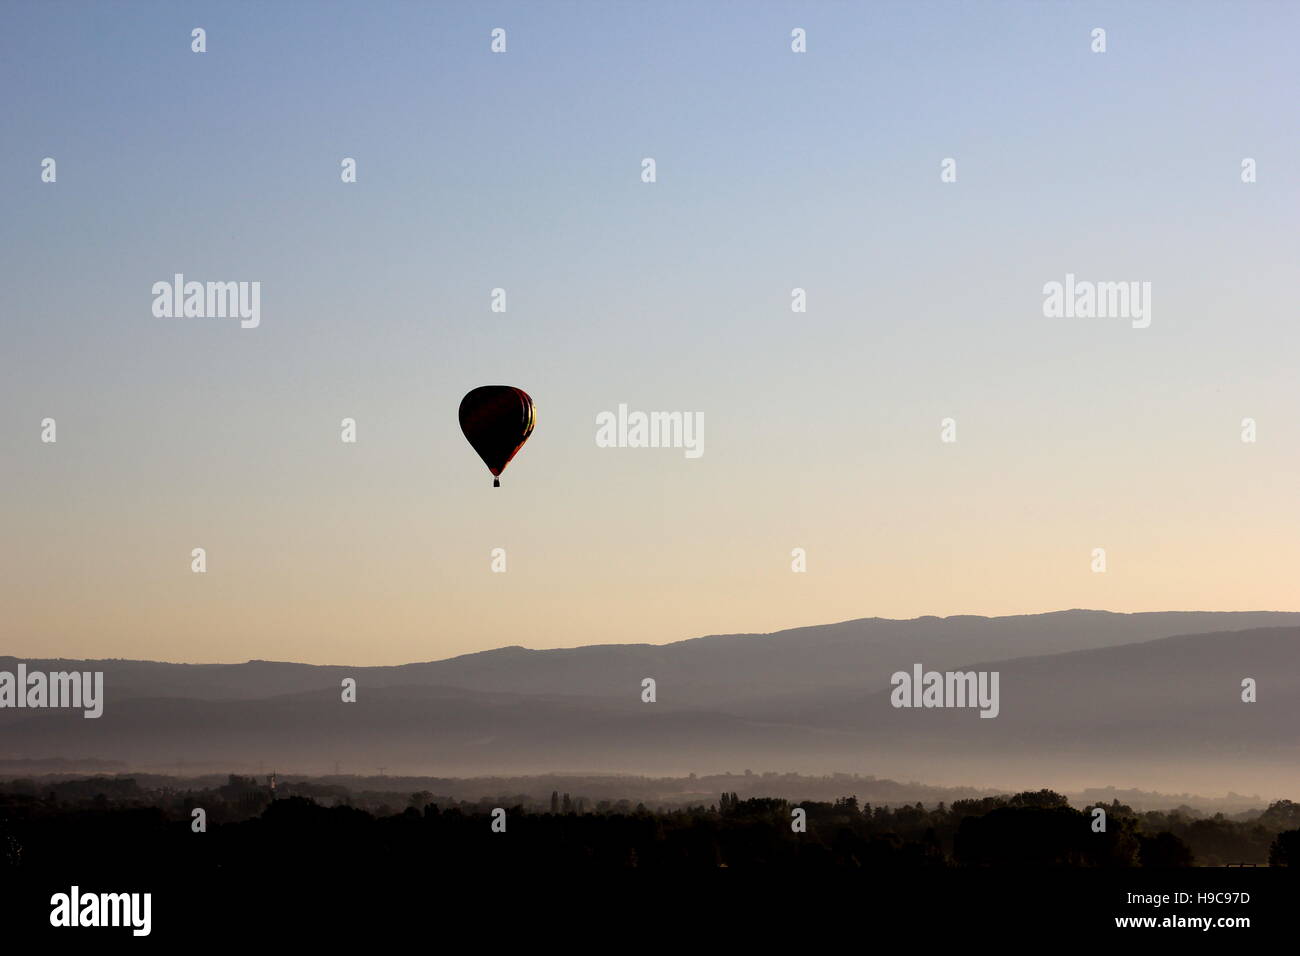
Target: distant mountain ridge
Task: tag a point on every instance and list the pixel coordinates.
(1087, 697)
(701, 670)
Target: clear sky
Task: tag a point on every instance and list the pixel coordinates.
(521, 171)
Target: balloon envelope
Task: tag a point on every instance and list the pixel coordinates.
(497, 420)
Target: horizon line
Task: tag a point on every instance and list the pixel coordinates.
(702, 637)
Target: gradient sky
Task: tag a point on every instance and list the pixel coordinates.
(522, 171)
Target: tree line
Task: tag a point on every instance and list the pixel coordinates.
(245, 822)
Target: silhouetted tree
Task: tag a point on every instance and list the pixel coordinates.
(1282, 815)
(1285, 849)
(1163, 849)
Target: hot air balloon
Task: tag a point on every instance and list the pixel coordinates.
(497, 420)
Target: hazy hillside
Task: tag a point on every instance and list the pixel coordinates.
(1163, 713)
(703, 671)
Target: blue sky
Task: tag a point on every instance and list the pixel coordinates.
(521, 171)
